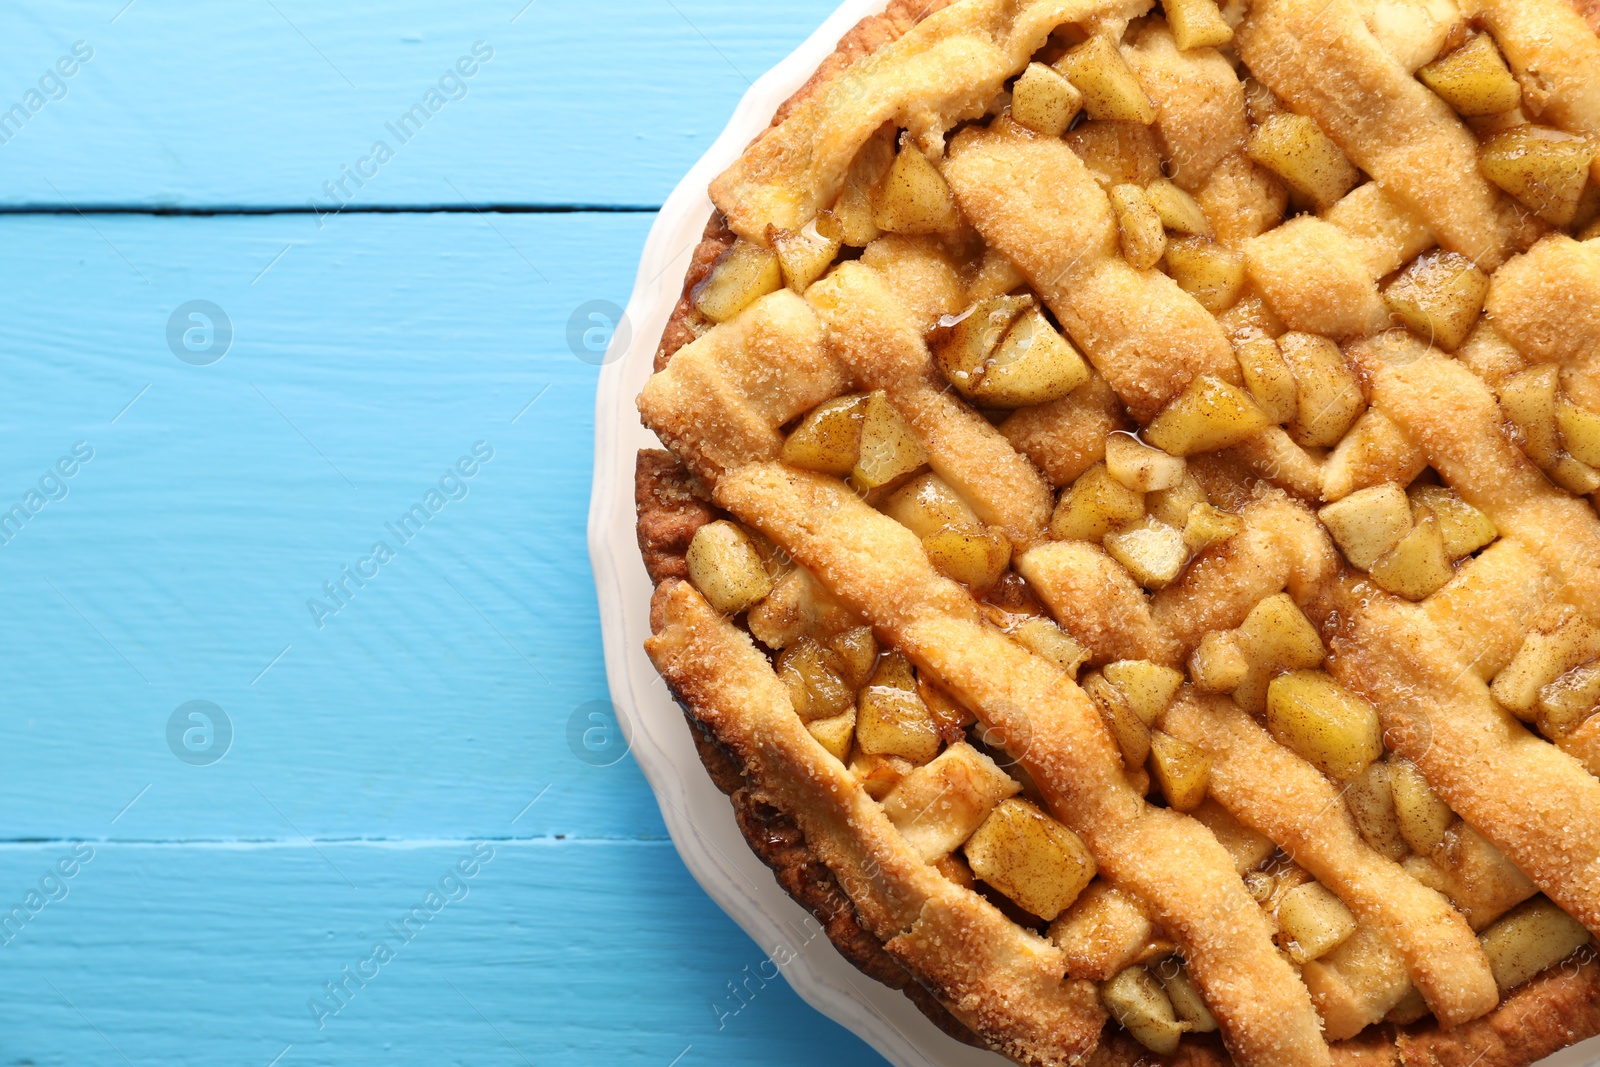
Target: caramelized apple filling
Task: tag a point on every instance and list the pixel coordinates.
(1154, 411)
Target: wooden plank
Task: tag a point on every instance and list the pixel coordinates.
(449, 699)
(365, 363)
(576, 952)
(221, 104)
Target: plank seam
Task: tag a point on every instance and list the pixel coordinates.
(396, 843)
(375, 209)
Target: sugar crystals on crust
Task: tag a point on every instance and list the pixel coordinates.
(1145, 461)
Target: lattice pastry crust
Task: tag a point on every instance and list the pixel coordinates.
(1127, 544)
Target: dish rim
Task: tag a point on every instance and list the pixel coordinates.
(698, 816)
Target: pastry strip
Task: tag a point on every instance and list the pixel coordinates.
(877, 567)
(1485, 609)
(1535, 803)
(945, 69)
(1199, 104)
(1281, 547)
(1274, 455)
(1000, 979)
(867, 330)
(1357, 983)
(721, 400)
(1066, 437)
(1555, 57)
(1271, 789)
(1320, 274)
(1322, 61)
(1034, 200)
(1453, 417)
(1546, 302)
(1241, 201)
(1096, 601)
(1315, 277)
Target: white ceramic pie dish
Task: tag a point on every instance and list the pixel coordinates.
(698, 816)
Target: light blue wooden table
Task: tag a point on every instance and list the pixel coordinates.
(397, 772)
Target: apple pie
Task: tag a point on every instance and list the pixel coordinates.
(1126, 539)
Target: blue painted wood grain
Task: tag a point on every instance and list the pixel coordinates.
(429, 711)
(364, 365)
(595, 952)
(369, 354)
(220, 103)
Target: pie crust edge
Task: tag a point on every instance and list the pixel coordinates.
(1553, 1011)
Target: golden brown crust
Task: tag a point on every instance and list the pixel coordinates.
(1168, 861)
(671, 507)
(1309, 52)
(1559, 1008)
(664, 530)
(1036, 201)
(773, 836)
(722, 400)
(866, 330)
(1279, 794)
(1007, 983)
(800, 165)
(1545, 44)
(864, 38)
(1097, 602)
(687, 323)
(1556, 1009)
(1066, 437)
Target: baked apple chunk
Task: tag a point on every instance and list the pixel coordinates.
(1127, 535)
